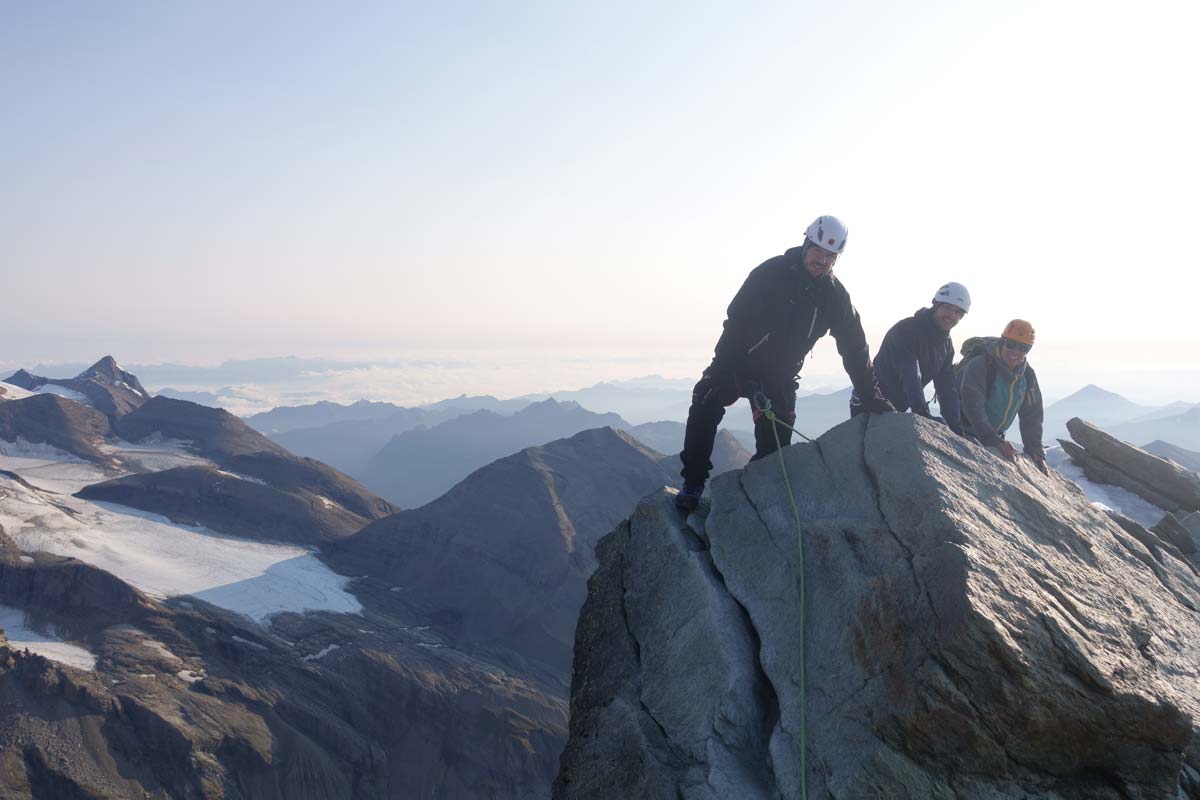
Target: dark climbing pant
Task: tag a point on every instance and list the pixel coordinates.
(710, 398)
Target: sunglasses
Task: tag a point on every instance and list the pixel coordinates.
(1018, 346)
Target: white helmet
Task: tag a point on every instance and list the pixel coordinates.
(955, 294)
(827, 232)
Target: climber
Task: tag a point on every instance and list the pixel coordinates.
(918, 350)
(785, 305)
(997, 385)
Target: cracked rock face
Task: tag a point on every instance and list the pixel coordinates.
(972, 629)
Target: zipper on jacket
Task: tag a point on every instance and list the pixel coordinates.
(759, 342)
(1011, 396)
(812, 324)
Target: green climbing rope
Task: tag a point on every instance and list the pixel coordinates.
(800, 580)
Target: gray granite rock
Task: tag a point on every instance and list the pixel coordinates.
(1179, 485)
(970, 628)
(1099, 471)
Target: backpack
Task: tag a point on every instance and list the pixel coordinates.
(973, 348)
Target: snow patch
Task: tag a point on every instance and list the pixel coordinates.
(21, 637)
(246, 478)
(240, 640)
(48, 469)
(164, 559)
(64, 392)
(154, 453)
(1113, 498)
(321, 654)
(189, 676)
(23, 449)
(10, 392)
(26, 559)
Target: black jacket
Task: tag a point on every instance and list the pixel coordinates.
(777, 317)
(914, 352)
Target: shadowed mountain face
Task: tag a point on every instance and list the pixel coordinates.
(420, 464)
(213, 432)
(183, 698)
(450, 683)
(502, 559)
(265, 491)
(221, 501)
(52, 420)
(110, 389)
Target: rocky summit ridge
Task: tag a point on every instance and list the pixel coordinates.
(973, 629)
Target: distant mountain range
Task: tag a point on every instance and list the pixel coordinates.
(422, 463)
(1184, 458)
(1181, 429)
(1121, 417)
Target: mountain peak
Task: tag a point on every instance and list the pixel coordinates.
(25, 380)
(105, 366)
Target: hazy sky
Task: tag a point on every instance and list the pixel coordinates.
(200, 181)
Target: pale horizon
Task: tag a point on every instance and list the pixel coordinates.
(563, 195)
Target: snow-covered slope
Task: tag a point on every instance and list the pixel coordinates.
(22, 636)
(63, 391)
(1103, 496)
(10, 392)
(163, 559)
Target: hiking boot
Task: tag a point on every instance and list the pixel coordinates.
(689, 497)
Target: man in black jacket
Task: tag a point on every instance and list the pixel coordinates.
(786, 305)
(918, 350)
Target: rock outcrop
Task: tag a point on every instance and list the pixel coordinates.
(1106, 459)
(972, 629)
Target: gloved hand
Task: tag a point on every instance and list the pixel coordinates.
(877, 404)
(1007, 450)
(1039, 461)
(723, 385)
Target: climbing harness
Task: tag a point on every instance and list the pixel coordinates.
(759, 398)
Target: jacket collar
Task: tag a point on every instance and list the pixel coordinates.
(928, 325)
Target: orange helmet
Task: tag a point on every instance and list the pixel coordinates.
(1019, 331)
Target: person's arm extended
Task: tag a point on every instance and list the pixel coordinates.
(974, 401)
(852, 346)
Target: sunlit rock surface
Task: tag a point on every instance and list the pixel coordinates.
(974, 630)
